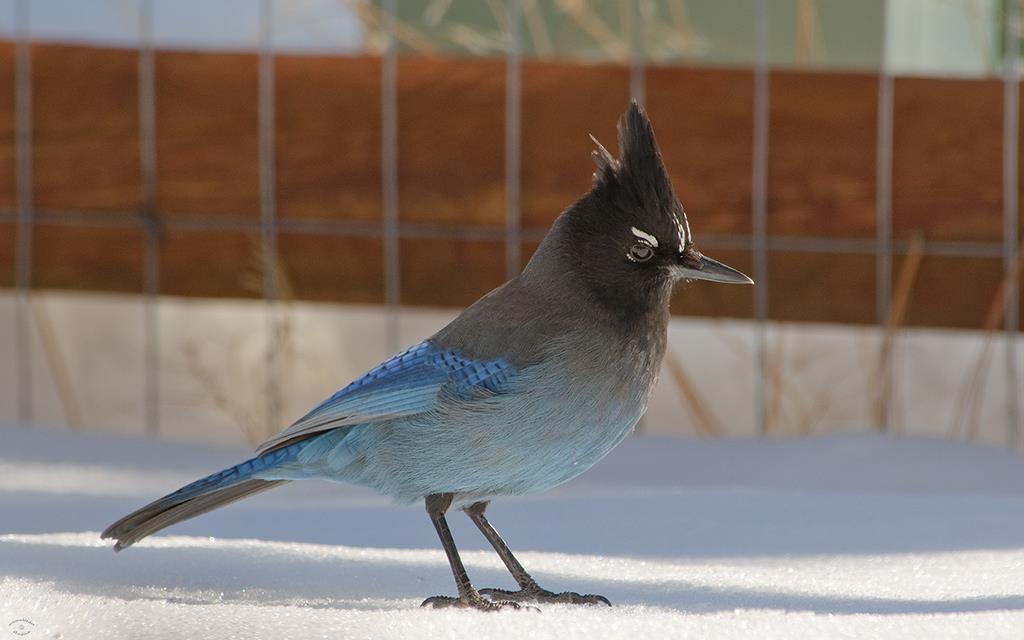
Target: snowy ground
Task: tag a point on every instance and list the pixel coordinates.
(843, 536)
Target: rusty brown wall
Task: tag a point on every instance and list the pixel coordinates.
(821, 180)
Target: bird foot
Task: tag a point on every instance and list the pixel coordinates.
(473, 600)
(537, 594)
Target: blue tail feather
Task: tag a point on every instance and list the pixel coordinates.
(203, 495)
(238, 473)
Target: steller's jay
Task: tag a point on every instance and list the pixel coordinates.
(527, 388)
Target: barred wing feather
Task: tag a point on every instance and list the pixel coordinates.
(407, 384)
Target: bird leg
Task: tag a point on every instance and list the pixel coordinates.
(468, 598)
(529, 590)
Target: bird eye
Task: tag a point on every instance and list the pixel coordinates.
(640, 252)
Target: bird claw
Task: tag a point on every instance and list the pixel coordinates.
(474, 601)
(537, 594)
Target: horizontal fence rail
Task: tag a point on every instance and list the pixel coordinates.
(441, 231)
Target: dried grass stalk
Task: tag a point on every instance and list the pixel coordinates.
(967, 411)
(57, 363)
(898, 304)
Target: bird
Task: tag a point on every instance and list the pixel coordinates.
(526, 389)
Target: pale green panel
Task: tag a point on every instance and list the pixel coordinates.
(594, 31)
(925, 37)
(451, 27)
(698, 31)
(716, 32)
(826, 34)
(945, 37)
(671, 31)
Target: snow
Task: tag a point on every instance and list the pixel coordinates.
(856, 535)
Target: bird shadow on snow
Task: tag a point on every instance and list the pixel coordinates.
(302, 568)
(277, 577)
(703, 524)
(622, 512)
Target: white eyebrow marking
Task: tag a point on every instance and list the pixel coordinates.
(643, 235)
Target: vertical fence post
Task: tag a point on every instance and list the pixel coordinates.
(1011, 211)
(638, 57)
(149, 219)
(389, 174)
(268, 211)
(513, 142)
(883, 221)
(759, 212)
(25, 215)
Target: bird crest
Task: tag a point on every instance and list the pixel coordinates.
(638, 181)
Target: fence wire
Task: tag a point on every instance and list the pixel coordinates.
(759, 215)
(883, 224)
(148, 217)
(1011, 210)
(513, 234)
(25, 211)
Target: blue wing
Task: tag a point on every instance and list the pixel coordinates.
(407, 384)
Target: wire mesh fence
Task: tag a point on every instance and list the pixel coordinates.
(642, 35)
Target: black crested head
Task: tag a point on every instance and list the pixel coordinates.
(627, 241)
(637, 184)
(623, 241)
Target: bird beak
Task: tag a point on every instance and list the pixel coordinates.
(714, 271)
